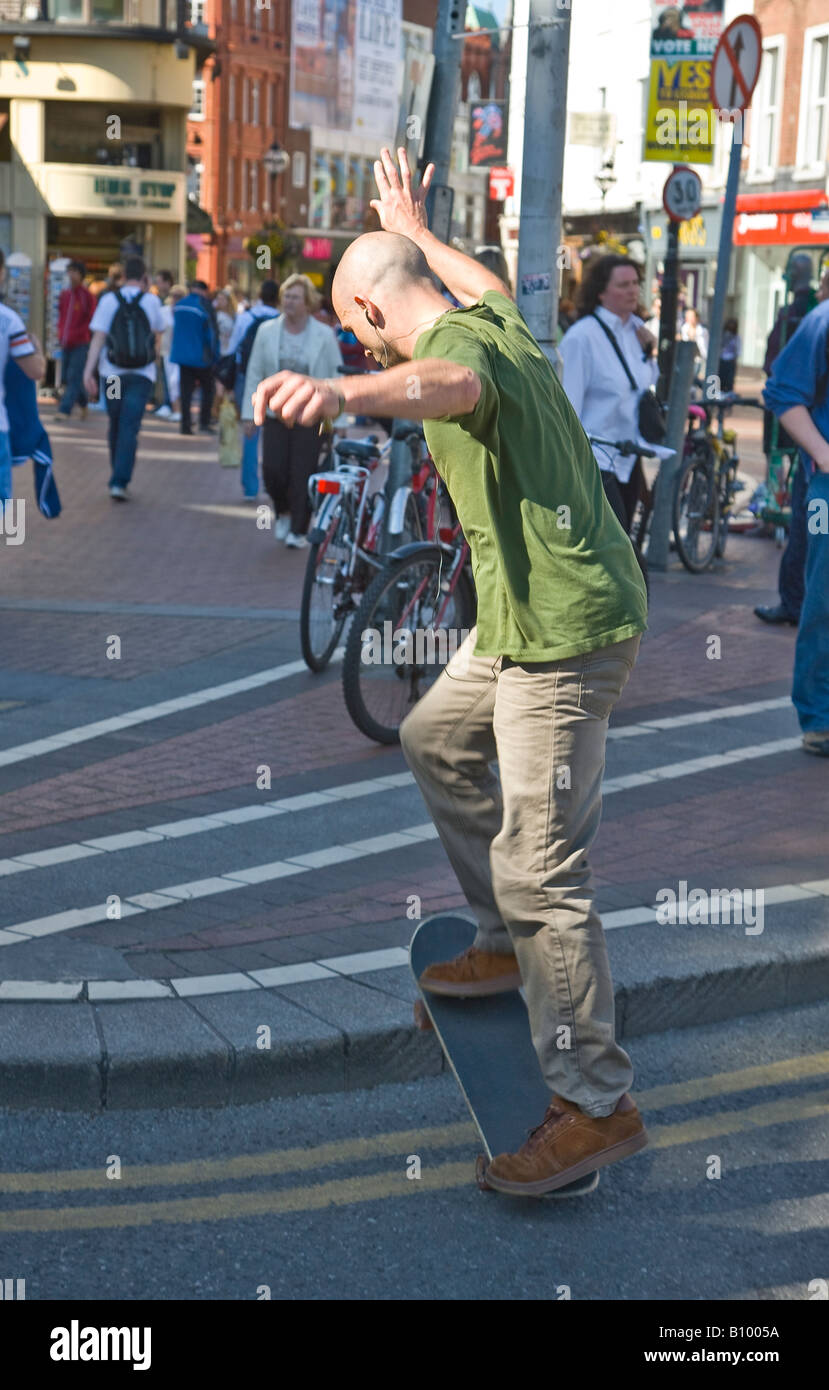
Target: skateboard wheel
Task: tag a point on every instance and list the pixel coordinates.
(480, 1174)
(421, 1017)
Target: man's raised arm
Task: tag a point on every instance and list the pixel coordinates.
(402, 209)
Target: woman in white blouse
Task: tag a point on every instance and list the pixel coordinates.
(596, 383)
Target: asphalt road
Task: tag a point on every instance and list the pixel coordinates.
(309, 1198)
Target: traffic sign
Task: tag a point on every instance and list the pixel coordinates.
(501, 184)
(736, 65)
(682, 194)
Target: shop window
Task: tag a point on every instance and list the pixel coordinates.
(320, 191)
(765, 111)
(196, 112)
(813, 128)
(299, 169)
(91, 137)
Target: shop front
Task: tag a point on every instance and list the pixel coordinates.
(699, 239)
(768, 227)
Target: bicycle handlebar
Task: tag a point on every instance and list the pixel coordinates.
(626, 447)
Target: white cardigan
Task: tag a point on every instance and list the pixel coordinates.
(323, 350)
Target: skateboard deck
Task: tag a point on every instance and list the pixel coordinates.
(487, 1044)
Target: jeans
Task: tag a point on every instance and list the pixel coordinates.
(125, 414)
(793, 559)
(519, 842)
(250, 447)
(5, 467)
(810, 688)
(74, 361)
(189, 377)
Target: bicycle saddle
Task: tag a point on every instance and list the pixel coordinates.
(362, 449)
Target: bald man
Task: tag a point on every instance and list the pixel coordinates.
(561, 609)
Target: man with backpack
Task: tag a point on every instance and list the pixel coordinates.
(125, 329)
(195, 349)
(245, 329)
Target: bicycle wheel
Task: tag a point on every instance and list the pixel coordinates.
(394, 651)
(696, 513)
(325, 603)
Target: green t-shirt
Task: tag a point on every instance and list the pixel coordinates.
(555, 573)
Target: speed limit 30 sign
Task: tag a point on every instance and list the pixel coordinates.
(682, 194)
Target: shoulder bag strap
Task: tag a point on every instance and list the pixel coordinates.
(618, 351)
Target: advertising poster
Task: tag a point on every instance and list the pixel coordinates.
(680, 124)
(487, 134)
(346, 57)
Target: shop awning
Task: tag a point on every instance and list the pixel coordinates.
(779, 219)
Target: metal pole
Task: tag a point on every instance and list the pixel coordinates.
(440, 118)
(663, 503)
(667, 314)
(712, 367)
(545, 122)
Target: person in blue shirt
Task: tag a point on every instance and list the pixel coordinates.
(798, 393)
(195, 347)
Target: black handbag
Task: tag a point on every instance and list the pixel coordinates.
(652, 414)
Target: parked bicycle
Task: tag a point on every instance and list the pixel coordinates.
(640, 525)
(413, 616)
(707, 484)
(354, 524)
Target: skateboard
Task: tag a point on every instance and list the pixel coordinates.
(487, 1043)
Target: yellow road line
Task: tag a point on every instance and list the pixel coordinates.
(238, 1205)
(725, 1082)
(372, 1186)
(402, 1141)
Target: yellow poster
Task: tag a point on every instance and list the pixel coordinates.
(681, 123)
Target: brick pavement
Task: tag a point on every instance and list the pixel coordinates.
(163, 549)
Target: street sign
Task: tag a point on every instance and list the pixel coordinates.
(501, 184)
(682, 194)
(818, 222)
(736, 65)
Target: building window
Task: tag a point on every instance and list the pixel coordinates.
(473, 87)
(299, 169)
(243, 200)
(87, 11)
(245, 100)
(257, 15)
(813, 130)
(196, 112)
(254, 103)
(254, 185)
(198, 14)
(231, 99)
(270, 120)
(765, 110)
(195, 178)
(231, 185)
(234, 15)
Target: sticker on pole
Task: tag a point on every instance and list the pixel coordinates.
(736, 66)
(682, 194)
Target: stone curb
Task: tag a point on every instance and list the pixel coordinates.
(338, 1034)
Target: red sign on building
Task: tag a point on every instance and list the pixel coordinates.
(317, 248)
(501, 184)
(778, 219)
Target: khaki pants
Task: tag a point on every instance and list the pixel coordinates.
(519, 845)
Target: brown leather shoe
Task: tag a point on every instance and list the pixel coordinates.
(567, 1145)
(473, 972)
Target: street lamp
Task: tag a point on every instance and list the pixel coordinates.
(606, 178)
(275, 159)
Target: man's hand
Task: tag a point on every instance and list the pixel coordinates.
(400, 208)
(295, 399)
(90, 385)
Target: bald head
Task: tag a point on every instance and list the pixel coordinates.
(381, 280)
(379, 265)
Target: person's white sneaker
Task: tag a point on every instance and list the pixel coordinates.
(163, 413)
(295, 542)
(119, 493)
(282, 528)
(176, 416)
